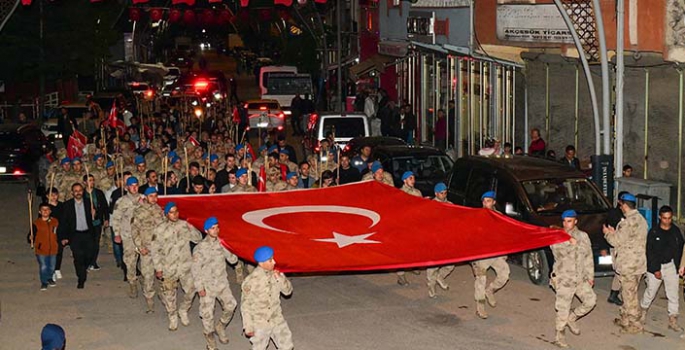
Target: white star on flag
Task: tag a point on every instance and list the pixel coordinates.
(344, 240)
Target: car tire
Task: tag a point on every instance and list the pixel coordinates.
(537, 266)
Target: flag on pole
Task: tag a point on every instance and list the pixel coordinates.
(77, 142)
(194, 141)
(261, 183)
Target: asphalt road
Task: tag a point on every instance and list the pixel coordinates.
(367, 311)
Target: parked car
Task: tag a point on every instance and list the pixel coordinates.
(21, 145)
(355, 145)
(537, 192)
(265, 114)
(429, 164)
(345, 127)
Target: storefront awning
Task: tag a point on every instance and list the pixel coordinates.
(376, 62)
(432, 47)
(464, 51)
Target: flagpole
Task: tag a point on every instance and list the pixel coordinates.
(165, 167)
(30, 200)
(185, 152)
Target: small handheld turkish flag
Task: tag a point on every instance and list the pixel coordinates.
(261, 185)
(194, 141)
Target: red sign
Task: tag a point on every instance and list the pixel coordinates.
(362, 226)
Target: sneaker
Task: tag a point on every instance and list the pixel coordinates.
(95, 267)
(91, 268)
(52, 283)
(43, 287)
(58, 275)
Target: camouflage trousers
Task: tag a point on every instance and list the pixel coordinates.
(480, 271)
(106, 241)
(207, 302)
(280, 333)
(565, 293)
(169, 292)
(630, 310)
(615, 283)
(433, 274)
(147, 270)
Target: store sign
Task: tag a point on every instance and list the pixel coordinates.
(532, 23)
(420, 26)
(441, 3)
(392, 49)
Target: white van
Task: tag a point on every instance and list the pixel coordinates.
(346, 126)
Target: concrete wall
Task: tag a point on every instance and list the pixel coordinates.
(662, 158)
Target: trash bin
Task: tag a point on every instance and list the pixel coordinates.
(661, 190)
(648, 207)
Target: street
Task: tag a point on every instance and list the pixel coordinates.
(351, 311)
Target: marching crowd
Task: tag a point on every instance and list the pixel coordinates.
(111, 191)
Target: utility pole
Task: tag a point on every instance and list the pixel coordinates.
(338, 13)
(41, 57)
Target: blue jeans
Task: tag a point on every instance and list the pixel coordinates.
(47, 267)
(117, 250)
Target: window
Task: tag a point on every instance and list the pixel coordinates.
(480, 182)
(267, 105)
(553, 196)
(433, 167)
(459, 179)
(344, 127)
(289, 85)
(506, 194)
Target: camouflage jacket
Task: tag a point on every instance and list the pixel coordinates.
(573, 263)
(275, 187)
(144, 221)
(209, 265)
(240, 188)
(439, 201)
(261, 299)
(68, 180)
(171, 249)
(123, 214)
(387, 178)
(411, 190)
(630, 244)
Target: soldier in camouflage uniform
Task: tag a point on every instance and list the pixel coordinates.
(242, 185)
(629, 239)
(261, 304)
(70, 178)
(274, 182)
(121, 225)
(437, 275)
(146, 218)
(141, 168)
(573, 275)
(284, 158)
(377, 173)
(63, 168)
(177, 166)
(291, 181)
(408, 187)
(98, 171)
(480, 270)
(172, 258)
(107, 180)
(211, 283)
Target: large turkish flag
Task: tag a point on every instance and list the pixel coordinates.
(361, 226)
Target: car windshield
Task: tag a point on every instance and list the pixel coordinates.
(10, 141)
(553, 196)
(423, 166)
(289, 85)
(259, 105)
(344, 127)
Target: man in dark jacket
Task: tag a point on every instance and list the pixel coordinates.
(100, 219)
(570, 158)
(66, 124)
(76, 229)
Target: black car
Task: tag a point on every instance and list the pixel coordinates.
(353, 146)
(430, 165)
(537, 192)
(20, 148)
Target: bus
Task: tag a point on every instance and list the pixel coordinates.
(282, 83)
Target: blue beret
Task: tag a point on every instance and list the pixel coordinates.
(109, 164)
(149, 191)
(488, 194)
(285, 151)
(239, 147)
(52, 337)
(75, 159)
(376, 166)
(210, 222)
(175, 159)
(440, 187)
(263, 254)
(407, 174)
(213, 157)
(569, 214)
(273, 148)
(97, 156)
(628, 198)
(65, 160)
(139, 159)
(262, 148)
(131, 181)
(290, 175)
(241, 172)
(168, 207)
(171, 154)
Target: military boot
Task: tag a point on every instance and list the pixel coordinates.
(443, 284)
(183, 315)
(402, 280)
(572, 325)
(673, 324)
(490, 297)
(431, 290)
(560, 339)
(480, 309)
(132, 290)
(173, 322)
(150, 305)
(211, 342)
(614, 299)
(221, 332)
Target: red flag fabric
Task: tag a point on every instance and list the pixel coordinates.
(236, 115)
(284, 172)
(283, 2)
(26, 2)
(140, 1)
(194, 141)
(244, 3)
(187, 2)
(353, 228)
(77, 142)
(112, 119)
(251, 151)
(261, 184)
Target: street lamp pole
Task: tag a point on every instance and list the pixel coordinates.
(338, 13)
